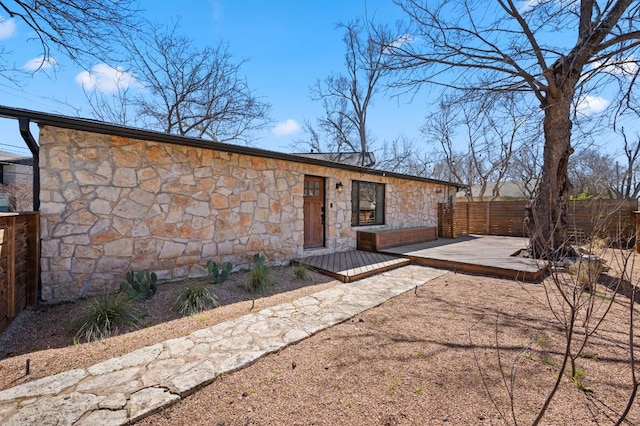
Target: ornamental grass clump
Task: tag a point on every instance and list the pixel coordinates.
(301, 271)
(104, 316)
(195, 297)
(259, 276)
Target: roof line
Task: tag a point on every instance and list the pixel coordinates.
(95, 126)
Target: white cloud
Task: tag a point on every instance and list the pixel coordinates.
(7, 27)
(286, 127)
(588, 105)
(106, 79)
(527, 5)
(40, 63)
(403, 39)
(627, 67)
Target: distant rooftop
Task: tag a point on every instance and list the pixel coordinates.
(363, 159)
(12, 158)
(508, 190)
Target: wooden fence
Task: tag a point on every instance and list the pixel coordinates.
(19, 263)
(612, 218)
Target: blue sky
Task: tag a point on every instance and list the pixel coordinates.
(288, 44)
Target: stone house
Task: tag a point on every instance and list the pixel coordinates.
(114, 199)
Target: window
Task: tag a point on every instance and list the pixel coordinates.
(367, 203)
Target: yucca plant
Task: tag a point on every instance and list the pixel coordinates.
(195, 297)
(104, 316)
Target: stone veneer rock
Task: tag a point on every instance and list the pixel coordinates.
(111, 204)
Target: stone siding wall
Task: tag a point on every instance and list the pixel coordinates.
(111, 204)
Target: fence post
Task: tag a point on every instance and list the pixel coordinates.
(637, 215)
(11, 267)
(33, 248)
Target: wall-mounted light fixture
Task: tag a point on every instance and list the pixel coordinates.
(439, 191)
(339, 187)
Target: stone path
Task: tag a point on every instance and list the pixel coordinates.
(125, 389)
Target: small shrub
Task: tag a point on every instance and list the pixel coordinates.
(195, 297)
(140, 285)
(578, 378)
(301, 271)
(259, 276)
(587, 271)
(394, 384)
(589, 355)
(547, 361)
(218, 273)
(104, 316)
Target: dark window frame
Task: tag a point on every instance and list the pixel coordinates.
(367, 217)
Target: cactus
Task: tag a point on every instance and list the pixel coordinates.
(218, 273)
(140, 285)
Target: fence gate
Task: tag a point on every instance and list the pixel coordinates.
(19, 263)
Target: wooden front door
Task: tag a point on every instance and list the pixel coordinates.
(313, 211)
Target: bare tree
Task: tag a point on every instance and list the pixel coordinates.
(79, 28)
(627, 184)
(403, 156)
(20, 196)
(185, 90)
(491, 130)
(502, 46)
(347, 98)
(193, 92)
(117, 108)
(592, 173)
(526, 166)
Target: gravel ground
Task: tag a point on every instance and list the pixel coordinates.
(45, 335)
(425, 357)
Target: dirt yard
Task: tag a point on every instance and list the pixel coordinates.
(422, 358)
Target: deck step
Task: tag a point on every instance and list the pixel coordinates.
(352, 265)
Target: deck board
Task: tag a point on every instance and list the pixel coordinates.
(353, 265)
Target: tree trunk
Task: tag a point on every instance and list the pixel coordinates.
(547, 213)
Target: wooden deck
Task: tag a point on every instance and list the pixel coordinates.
(474, 254)
(352, 265)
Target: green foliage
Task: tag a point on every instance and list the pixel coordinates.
(577, 379)
(104, 316)
(394, 384)
(547, 361)
(301, 271)
(584, 195)
(592, 355)
(195, 297)
(259, 276)
(140, 285)
(218, 273)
